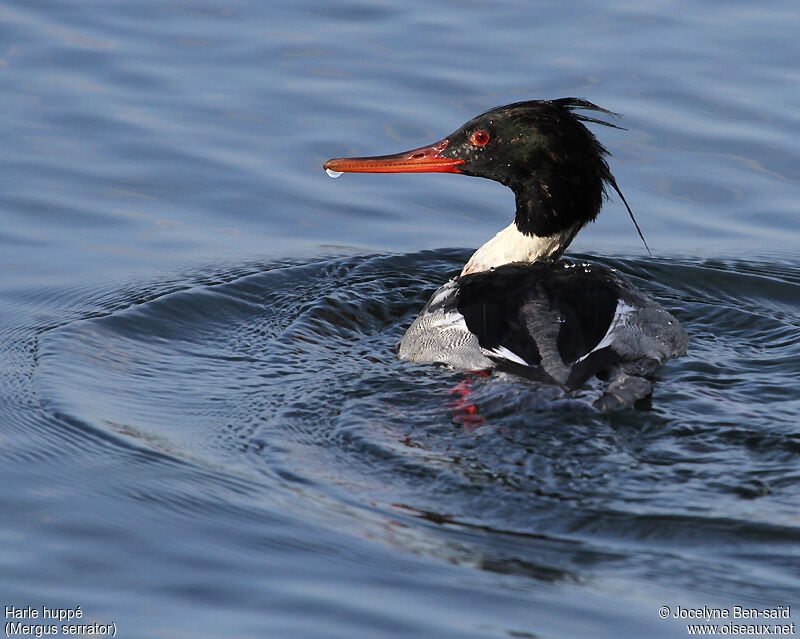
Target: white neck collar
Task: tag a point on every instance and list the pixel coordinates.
(509, 245)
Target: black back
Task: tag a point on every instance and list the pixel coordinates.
(562, 307)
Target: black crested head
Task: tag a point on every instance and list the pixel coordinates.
(542, 151)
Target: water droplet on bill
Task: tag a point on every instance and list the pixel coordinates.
(332, 173)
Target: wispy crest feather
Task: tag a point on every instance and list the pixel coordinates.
(572, 104)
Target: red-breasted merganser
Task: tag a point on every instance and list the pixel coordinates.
(516, 305)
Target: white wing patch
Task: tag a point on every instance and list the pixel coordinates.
(503, 353)
(451, 320)
(620, 313)
(445, 291)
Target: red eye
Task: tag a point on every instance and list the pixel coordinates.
(479, 137)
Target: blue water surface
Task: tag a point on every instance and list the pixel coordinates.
(204, 429)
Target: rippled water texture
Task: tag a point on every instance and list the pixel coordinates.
(204, 427)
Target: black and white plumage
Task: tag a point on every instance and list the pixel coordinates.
(517, 306)
(557, 322)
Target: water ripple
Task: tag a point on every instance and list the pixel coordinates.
(287, 378)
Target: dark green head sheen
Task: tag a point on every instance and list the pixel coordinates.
(544, 153)
(540, 149)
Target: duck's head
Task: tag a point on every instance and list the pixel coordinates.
(541, 149)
